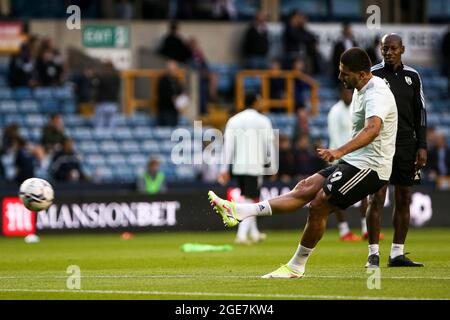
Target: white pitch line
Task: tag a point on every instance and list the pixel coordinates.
(185, 276)
(216, 294)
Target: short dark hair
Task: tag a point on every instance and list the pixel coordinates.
(250, 99)
(356, 59)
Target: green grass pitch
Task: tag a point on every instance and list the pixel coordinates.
(152, 266)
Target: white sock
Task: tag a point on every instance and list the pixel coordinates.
(254, 232)
(244, 228)
(298, 261)
(343, 228)
(396, 250)
(374, 249)
(244, 211)
(363, 226)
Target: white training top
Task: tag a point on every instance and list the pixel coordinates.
(339, 125)
(374, 99)
(249, 145)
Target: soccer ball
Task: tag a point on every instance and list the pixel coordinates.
(36, 194)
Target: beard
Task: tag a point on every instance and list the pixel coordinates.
(348, 85)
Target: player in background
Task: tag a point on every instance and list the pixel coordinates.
(410, 155)
(243, 155)
(339, 133)
(365, 164)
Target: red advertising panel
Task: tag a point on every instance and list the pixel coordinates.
(17, 220)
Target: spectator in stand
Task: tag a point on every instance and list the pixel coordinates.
(439, 158)
(445, 50)
(300, 42)
(288, 165)
(53, 134)
(107, 89)
(49, 72)
(42, 164)
(153, 181)
(21, 72)
(9, 139)
(208, 79)
(8, 144)
(431, 137)
(346, 42)
(208, 171)
(374, 51)
(224, 10)
(256, 43)
(124, 10)
(277, 86)
(307, 161)
(25, 160)
(301, 126)
(299, 86)
(65, 165)
(174, 47)
(169, 90)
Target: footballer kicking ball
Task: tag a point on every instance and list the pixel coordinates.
(36, 194)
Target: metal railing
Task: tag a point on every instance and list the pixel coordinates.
(288, 102)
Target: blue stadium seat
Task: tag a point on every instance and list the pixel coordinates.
(50, 106)
(129, 146)
(100, 135)
(69, 106)
(43, 93)
(163, 133)
(150, 146)
(320, 121)
(252, 84)
(74, 120)
(28, 106)
(124, 173)
(226, 74)
(116, 160)
(82, 133)
(109, 146)
(35, 120)
(122, 133)
(65, 93)
(168, 146)
(6, 93)
(139, 119)
(8, 106)
(35, 134)
(137, 159)
(104, 173)
(88, 147)
(95, 160)
(185, 172)
(142, 132)
(14, 118)
(23, 93)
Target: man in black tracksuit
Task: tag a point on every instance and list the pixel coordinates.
(410, 154)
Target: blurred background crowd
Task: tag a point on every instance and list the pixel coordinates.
(64, 121)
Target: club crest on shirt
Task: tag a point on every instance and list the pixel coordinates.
(408, 80)
(387, 83)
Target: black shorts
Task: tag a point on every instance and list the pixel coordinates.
(403, 167)
(347, 184)
(249, 185)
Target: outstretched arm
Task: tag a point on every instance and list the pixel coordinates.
(362, 139)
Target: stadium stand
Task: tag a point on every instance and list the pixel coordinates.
(122, 154)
